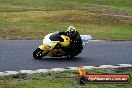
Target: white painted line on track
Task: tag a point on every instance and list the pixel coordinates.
(2, 74)
(12, 72)
(72, 68)
(6, 73)
(88, 67)
(125, 65)
(27, 71)
(42, 70)
(57, 69)
(108, 66)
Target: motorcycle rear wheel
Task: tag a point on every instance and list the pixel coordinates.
(37, 54)
(69, 56)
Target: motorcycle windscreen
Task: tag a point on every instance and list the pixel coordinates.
(56, 37)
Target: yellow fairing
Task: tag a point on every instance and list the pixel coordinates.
(44, 47)
(50, 49)
(66, 41)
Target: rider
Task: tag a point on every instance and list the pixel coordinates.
(76, 42)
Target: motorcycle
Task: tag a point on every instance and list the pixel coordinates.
(53, 44)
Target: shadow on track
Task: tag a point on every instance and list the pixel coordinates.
(79, 60)
(60, 59)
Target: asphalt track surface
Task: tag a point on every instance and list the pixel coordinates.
(17, 55)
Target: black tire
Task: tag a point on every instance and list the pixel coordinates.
(37, 54)
(69, 56)
(72, 55)
(76, 53)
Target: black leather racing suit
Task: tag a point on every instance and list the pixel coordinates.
(75, 46)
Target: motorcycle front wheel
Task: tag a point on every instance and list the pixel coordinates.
(37, 54)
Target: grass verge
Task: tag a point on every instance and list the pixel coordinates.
(108, 20)
(64, 79)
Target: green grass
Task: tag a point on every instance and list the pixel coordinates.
(32, 19)
(64, 79)
(22, 5)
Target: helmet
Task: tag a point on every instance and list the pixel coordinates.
(71, 31)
